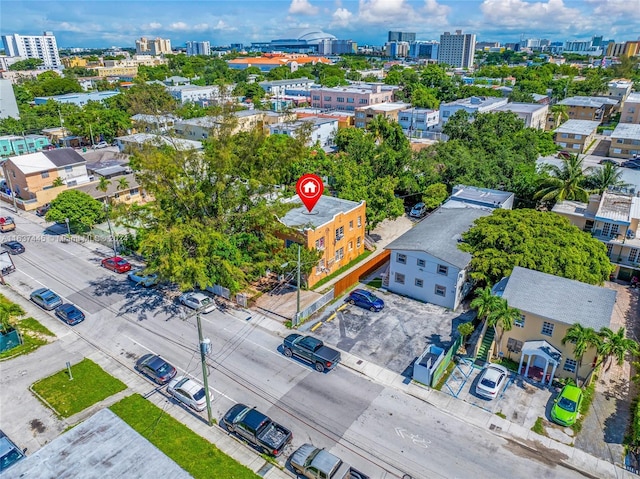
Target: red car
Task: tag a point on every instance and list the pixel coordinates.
(117, 264)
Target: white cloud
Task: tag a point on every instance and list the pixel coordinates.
(627, 9)
(341, 17)
(152, 26)
(434, 9)
(529, 16)
(302, 7)
(222, 26)
(384, 11)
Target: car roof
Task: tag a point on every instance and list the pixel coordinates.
(68, 307)
(571, 392)
(12, 243)
(187, 384)
(418, 205)
(493, 371)
(198, 296)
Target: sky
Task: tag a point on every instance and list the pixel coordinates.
(106, 23)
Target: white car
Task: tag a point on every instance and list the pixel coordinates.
(100, 145)
(188, 392)
(143, 278)
(198, 301)
(491, 381)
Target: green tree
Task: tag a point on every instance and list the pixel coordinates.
(582, 339)
(484, 302)
(501, 318)
(601, 179)
(542, 241)
(616, 346)
(28, 64)
(564, 182)
(435, 195)
(80, 208)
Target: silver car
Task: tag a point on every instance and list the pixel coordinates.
(198, 301)
(188, 392)
(491, 381)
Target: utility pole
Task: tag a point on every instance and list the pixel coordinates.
(204, 346)
(298, 290)
(13, 193)
(91, 133)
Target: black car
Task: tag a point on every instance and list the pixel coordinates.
(609, 161)
(13, 247)
(156, 368)
(70, 314)
(633, 164)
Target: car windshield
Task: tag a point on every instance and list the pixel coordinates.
(567, 404)
(10, 458)
(488, 383)
(199, 395)
(121, 262)
(164, 368)
(74, 313)
(49, 296)
(205, 301)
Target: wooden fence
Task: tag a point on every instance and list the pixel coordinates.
(352, 278)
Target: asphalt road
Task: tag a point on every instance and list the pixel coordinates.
(377, 429)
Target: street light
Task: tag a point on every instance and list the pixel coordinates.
(113, 236)
(66, 220)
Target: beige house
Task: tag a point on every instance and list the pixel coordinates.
(630, 112)
(389, 110)
(549, 306)
(575, 135)
(614, 219)
(534, 115)
(625, 141)
(594, 108)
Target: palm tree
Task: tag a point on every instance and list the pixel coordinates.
(603, 178)
(560, 112)
(103, 185)
(123, 184)
(484, 302)
(503, 316)
(564, 182)
(583, 339)
(616, 345)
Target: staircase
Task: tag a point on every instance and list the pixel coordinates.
(485, 347)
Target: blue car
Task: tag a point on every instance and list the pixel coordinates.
(46, 299)
(365, 299)
(70, 314)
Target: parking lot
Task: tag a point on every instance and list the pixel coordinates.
(394, 337)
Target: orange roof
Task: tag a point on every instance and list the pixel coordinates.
(271, 59)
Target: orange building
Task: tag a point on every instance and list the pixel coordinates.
(334, 226)
(269, 61)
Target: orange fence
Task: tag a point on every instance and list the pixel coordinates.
(352, 278)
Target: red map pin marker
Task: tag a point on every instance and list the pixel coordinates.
(309, 188)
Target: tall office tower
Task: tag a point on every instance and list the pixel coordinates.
(428, 50)
(401, 37)
(31, 46)
(457, 50)
(198, 48)
(155, 47)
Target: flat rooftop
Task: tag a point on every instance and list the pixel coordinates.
(103, 446)
(588, 101)
(389, 106)
(627, 131)
(517, 107)
(572, 208)
(178, 143)
(578, 127)
(616, 207)
(475, 101)
(633, 98)
(325, 210)
(479, 196)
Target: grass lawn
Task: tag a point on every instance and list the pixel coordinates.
(193, 453)
(33, 335)
(90, 384)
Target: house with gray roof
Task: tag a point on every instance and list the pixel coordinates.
(596, 108)
(426, 263)
(549, 306)
(625, 141)
(576, 135)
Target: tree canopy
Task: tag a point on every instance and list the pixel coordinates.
(82, 210)
(542, 241)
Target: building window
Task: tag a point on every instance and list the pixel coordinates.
(320, 244)
(570, 365)
(547, 329)
(610, 229)
(440, 290)
(68, 169)
(327, 98)
(320, 266)
(44, 174)
(633, 255)
(359, 221)
(350, 245)
(363, 101)
(514, 346)
(350, 225)
(358, 242)
(419, 283)
(444, 270)
(340, 99)
(339, 233)
(401, 258)
(349, 100)
(421, 263)
(578, 137)
(519, 323)
(400, 278)
(339, 254)
(316, 97)
(564, 135)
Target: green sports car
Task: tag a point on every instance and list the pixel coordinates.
(567, 406)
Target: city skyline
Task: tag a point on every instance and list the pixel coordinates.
(93, 24)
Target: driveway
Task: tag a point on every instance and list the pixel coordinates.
(394, 337)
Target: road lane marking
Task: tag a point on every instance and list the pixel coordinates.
(316, 326)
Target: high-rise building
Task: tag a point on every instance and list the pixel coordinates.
(198, 48)
(457, 50)
(397, 49)
(31, 46)
(428, 50)
(401, 37)
(155, 47)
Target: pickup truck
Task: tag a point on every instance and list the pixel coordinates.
(311, 349)
(313, 463)
(257, 429)
(7, 224)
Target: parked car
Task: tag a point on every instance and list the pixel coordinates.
(117, 264)
(605, 161)
(311, 462)
(7, 224)
(188, 392)
(564, 155)
(46, 299)
(312, 350)
(143, 278)
(100, 145)
(156, 368)
(567, 405)
(9, 452)
(418, 210)
(632, 164)
(70, 314)
(365, 299)
(198, 301)
(491, 381)
(42, 210)
(13, 247)
(257, 429)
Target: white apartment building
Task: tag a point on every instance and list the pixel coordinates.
(158, 46)
(457, 50)
(322, 130)
(201, 94)
(348, 98)
(198, 48)
(534, 115)
(479, 104)
(415, 121)
(43, 47)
